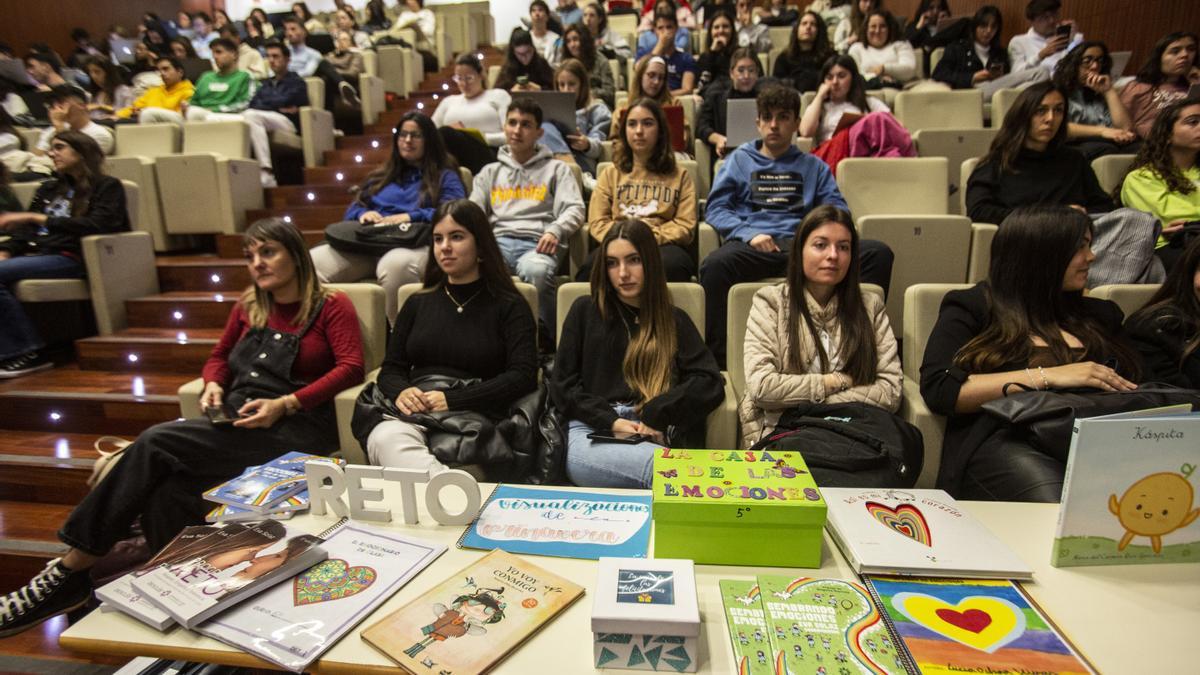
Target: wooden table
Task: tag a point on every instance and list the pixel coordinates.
(1126, 619)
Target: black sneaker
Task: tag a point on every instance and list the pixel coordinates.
(349, 94)
(55, 590)
(24, 365)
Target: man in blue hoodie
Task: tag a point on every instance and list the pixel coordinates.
(759, 197)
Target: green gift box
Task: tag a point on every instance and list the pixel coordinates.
(737, 507)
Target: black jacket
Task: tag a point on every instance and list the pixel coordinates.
(963, 315)
(960, 63)
(105, 213)
(1059, 177)
(588, 378)
(804, 71)
(1160, 339)
(712, 114)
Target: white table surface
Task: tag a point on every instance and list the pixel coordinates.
(1125, 619)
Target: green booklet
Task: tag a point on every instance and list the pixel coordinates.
(747, 627)
(825, 626)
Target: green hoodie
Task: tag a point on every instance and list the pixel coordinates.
(224, 93)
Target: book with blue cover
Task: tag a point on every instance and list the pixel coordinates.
(561, 523)
(261, 488)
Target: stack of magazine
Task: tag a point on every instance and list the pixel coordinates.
(276, 490)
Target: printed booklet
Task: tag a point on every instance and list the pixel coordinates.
(229, 571)
(260, 488)
(1129, 495)
(562, 523)
(953, 626)
(916, 533)
(295, 622)
(472, 620)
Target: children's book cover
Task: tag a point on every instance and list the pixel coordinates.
(972, 626)
(1129, 495)
(747, 627)
(473, 619)
(261, 487)
(562, 523)
(824, 626)
(292, 624)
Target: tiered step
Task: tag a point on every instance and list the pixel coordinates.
(45, 467)
(181, 310)
(27, 540)
(332, 175)
(139, 350)
(311, 195)
(203, 272)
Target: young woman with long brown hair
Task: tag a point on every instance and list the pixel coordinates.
(629, 362)
(817, 337)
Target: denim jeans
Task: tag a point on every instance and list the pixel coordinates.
(534, 268)
(21, 337)
(609, 465)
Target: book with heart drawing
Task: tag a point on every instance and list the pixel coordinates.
(916, 533)
(945, 626)
(292, 624)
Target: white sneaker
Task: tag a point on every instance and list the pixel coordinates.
(268, 179)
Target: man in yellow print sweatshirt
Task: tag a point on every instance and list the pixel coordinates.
(533, 202)
(174, 92)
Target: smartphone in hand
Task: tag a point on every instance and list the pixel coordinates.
(618, 437)
(221, 415)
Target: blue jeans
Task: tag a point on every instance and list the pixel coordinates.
(20, 337)
(608, 465)
(534, 268)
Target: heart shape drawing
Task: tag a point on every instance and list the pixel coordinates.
(978, 621)
(332, 579)
(906, 520)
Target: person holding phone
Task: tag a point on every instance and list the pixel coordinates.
(289, 347)
(629, 362)
(524, 69)
(592, 116)
(979, 61)
(1048, 39)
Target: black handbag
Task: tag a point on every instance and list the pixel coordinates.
(351, 236)
(1045, 418)
(850, 444)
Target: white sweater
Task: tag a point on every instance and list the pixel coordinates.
(484, 112)
(897, 59)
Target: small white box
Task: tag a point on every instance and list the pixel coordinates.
(645, 615)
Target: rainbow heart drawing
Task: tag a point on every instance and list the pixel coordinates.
(332, 579)
(905, 519)
(981, 622)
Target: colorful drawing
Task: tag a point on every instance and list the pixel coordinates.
(905, 519)
(1155, 506)
(467, 615)
(332, 579)
(972, 625)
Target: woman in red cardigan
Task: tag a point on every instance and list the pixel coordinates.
(289, 347)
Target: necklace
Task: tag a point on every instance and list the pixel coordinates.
(460, 305)
(624, 322)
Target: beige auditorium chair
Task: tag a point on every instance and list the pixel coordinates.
(921, 305)
(394, 64)
(208, 188)
(964, 177)
(138, 148)
(372, 321)
(929, 250)
(1129, 297)
(982, 235)
(721, 429)
(119, 267)
(893, 186)
(956, 145)
(918, 110)
(935, 57)
(1110, 170)
(1002, 101)
(741, 297)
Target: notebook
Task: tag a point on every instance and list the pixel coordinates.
(741, 121)
(557, 106)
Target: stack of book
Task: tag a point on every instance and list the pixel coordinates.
(276, 490)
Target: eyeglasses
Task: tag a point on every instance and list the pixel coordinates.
(410, 136)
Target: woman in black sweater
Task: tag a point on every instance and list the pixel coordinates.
(1167, 330)
(464, 343)
(44, 241)
(807, 51)
(524, 68)
(629, 362)
(1029, 164)
(1029, 325)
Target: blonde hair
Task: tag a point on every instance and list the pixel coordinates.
(257, 303)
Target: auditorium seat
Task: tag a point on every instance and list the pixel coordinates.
(981, 251)
(1129, 297)
(138, 147)
(956, 145)
(918, 110)
(209, 187)
(893, 186)
(1110, 170)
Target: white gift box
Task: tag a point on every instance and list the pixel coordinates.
(645, 615)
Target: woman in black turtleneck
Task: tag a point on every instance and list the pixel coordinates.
(469, 323)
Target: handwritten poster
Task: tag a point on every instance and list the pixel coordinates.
(562, 523)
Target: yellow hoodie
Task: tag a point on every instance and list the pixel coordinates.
(161, 97)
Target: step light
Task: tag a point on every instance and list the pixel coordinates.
(375, 144)
(420, 106)
(62, 448)
(312, 197)
(181, 337)
(216, 278)
(435, 97)
(219, 298)
(133, 358)
(358, 159)
(340, 176)
(445, 86)
(480, 55)
(177, 315)
(287, 219)
(139, 387)
(55, 416)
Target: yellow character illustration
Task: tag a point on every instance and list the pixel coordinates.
(1154, 506)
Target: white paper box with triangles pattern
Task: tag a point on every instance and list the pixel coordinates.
(645, 615)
